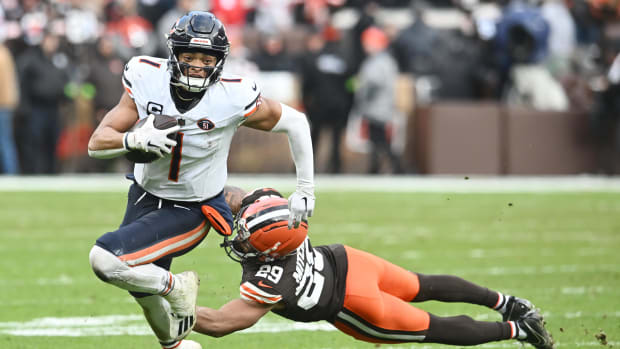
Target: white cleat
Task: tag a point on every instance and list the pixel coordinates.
(183, 296)
(182, 301)
(180, 327)
(184, 344)
(187, 344)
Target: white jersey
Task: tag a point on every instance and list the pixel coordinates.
(196, 170)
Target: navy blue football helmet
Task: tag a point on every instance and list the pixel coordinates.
(197, 31)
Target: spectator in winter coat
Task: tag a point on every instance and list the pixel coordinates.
(375, 97)
(43, 76)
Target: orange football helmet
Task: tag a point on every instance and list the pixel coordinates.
(262, 230)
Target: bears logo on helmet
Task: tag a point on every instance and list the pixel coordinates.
(262, 230)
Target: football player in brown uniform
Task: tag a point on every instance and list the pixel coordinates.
(361, 294)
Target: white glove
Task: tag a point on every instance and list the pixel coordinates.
(301, 206)
(149, 139)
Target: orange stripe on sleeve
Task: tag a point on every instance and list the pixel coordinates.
(252, 298)
(265, 298)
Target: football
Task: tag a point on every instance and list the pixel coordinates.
(161, 122)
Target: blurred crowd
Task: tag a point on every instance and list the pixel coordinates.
(62, 61)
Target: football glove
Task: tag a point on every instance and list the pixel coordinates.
(301, 206)
(150, 139)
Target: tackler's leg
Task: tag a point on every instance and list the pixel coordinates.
(449, 288)
(377, 309)
(373, 315)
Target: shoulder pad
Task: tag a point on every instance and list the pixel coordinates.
(246, 92)
(137, 72)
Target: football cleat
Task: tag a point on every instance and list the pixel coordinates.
(534, 327)
(516, 308)
(184, 344)
(187, 344)
(181, 326)
(183, 296)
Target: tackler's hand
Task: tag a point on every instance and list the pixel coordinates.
(301, 206)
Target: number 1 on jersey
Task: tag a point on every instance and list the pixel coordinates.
(175, 161)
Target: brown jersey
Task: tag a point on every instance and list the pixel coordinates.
(309, 283)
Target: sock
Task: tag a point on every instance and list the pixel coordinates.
(159, 278)
(156, 310)
(502, 301)
(449, 288)
(147, 278)
(170, 282)
(463, 330)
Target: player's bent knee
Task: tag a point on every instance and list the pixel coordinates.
(104, 264)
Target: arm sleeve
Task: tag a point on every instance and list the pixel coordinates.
(107, 153)
(295, 125)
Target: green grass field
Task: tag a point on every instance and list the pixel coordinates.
(560, 250)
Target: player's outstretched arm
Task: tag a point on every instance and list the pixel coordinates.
(233, 196)
(277, 117)
(233, 316)
(107, 140)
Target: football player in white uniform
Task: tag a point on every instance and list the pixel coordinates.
(164, 215)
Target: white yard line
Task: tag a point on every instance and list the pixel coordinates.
(119, 325)
(459, 184)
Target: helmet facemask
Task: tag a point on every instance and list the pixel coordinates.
(262, 231)
(197, 31)
(239, 248)
(180, 72)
